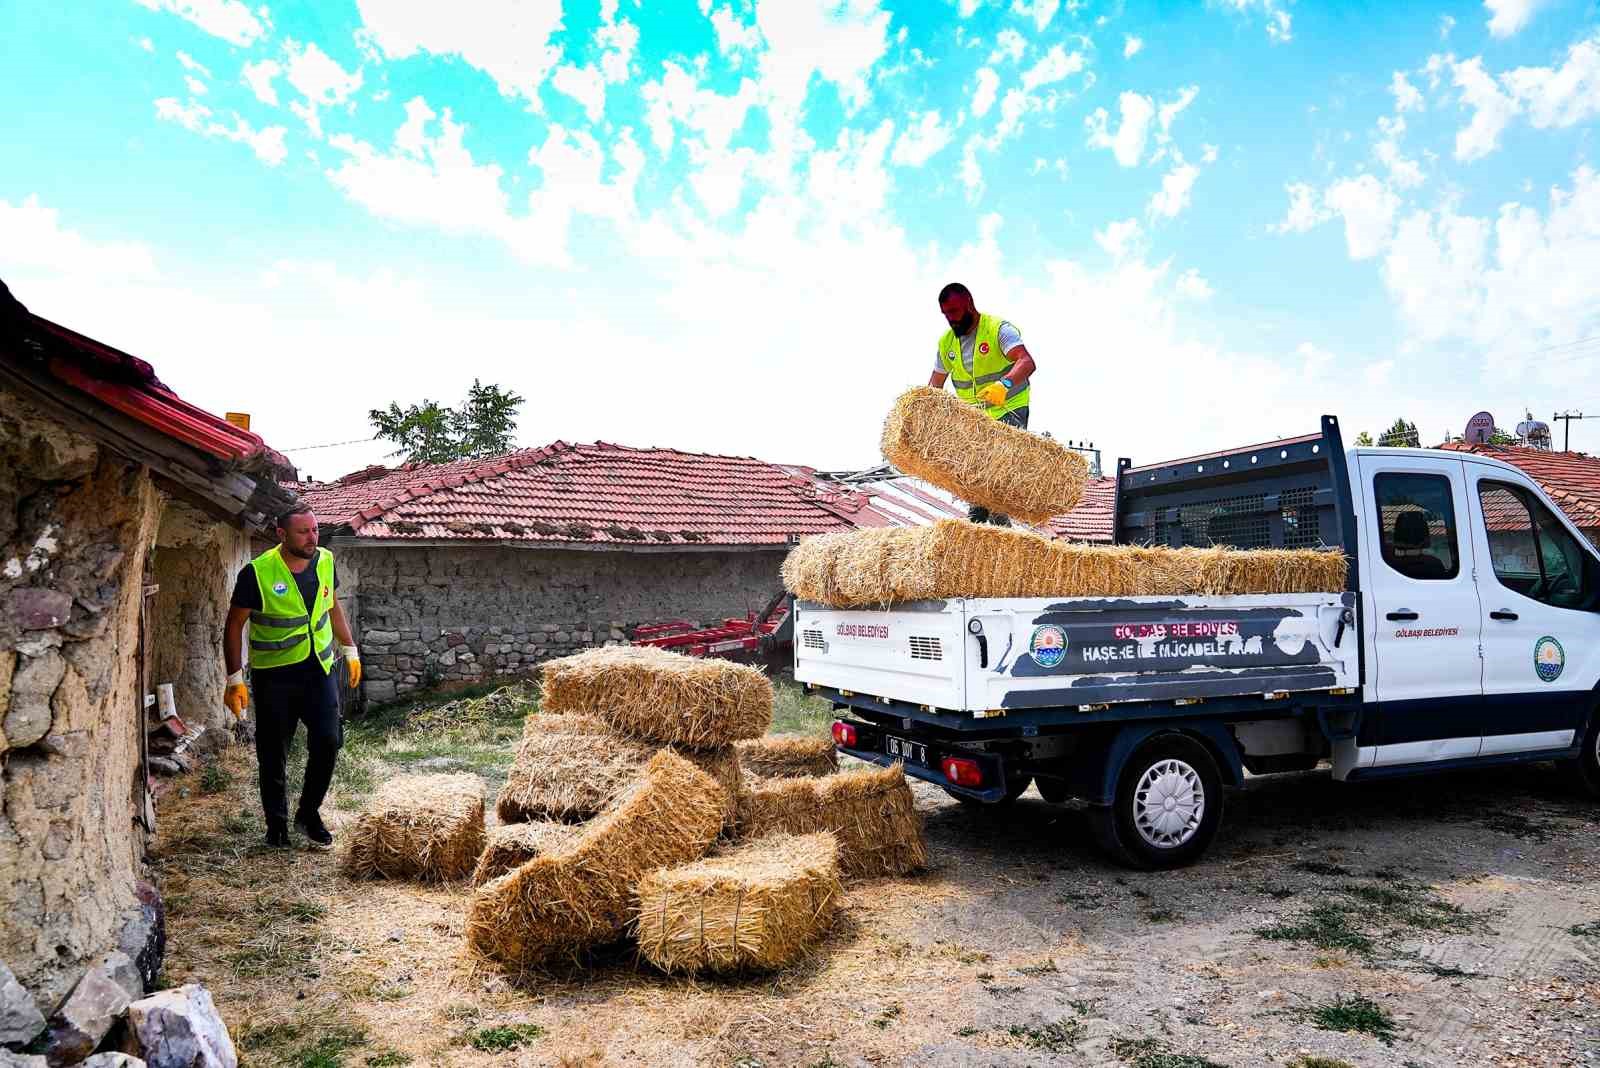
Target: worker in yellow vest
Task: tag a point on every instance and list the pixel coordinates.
(286, 596)
(985, 360)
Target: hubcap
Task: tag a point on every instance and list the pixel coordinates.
(1168, 804)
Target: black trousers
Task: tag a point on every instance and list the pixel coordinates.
(975, 514)
(285, 698)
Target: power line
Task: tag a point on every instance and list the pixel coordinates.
(330, 445)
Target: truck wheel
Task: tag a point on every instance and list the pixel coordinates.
(1015, 786)
(1584, 773)
(1167, 807)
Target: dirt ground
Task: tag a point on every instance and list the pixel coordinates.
(1441, 921)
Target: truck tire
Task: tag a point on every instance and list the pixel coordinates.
(1016, 785)
(1584, 773)
(1167, 805)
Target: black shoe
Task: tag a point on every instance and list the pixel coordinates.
(310, 825)
(277, 838)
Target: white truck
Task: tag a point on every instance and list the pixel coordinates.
(1468, 634)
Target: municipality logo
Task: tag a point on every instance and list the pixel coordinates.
(280, 587)
(1548, 659)
(1048, 647)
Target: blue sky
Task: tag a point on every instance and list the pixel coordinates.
(721, 225)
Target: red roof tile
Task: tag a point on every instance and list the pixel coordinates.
(1094, 517)
(1572, 479)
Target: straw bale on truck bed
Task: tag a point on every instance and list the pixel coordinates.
(951, 558)
(511, 845)
(581, 894)
(936, 436)
(427, 827)
(571, 767)
(870, 811)
(666, 697)
(781, 756)
(756, 906)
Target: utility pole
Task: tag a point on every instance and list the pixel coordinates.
(1567, 417)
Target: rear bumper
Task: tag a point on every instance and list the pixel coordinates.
(870, 748)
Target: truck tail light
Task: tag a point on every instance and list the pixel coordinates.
(960, 771)
(844, 734)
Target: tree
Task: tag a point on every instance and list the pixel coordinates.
(1401, 434)
(1363, 439)
(429, 433)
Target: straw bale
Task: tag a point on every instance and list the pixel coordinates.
(426, 827)
(570, 767)
(870, 811)
(665, 697)
(580, 895)
(511, 845)
(780, 756)
(951, 558)
(934, 435)
(751, 907)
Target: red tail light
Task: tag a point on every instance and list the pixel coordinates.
(844, 734)
(961, 771)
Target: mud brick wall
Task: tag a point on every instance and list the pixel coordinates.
(431, 615)
(76, 523)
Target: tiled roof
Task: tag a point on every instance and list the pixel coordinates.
(595, 494)
(1572, 479)
(1092, 520)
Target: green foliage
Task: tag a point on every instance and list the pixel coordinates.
(430, 433)
(1356, 1014)
(214, 778)
(1401, 434)
(506, 1037)
(1363, 439)
(1051, 1037)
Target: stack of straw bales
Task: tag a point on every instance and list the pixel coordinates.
(869, 811)
(783, 756)
(426, 827)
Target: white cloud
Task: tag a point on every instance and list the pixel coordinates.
(1120, 239)
(33, 243)
(1368, 208)
(1192, 286)
(1562, 96)
(1008, 45)
(195, 86)
(1277, 20)
(1056, 65)
(1040, 11)
(147, 44)
(983, 97)
(228, 19)
(1492, 111)
(1403, 173)
(732, 35)
(619, 40)
(259, 77)
(318, 77)
(189, 63)
(1509, 16)
(509, 40)
(971, 170)
(1446, 24)
(1131, 45)
(1127, 144)
(1173, 197)
(1406, 96)
(1171, 110)
(267, 144)
(966, 8)
(583, 84)
(677, 98)
(923, 139)
(1303, 213)
(1376, 375)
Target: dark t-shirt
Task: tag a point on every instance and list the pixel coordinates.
(247, 594)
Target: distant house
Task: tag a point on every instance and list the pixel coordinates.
(1572, 479)
(124, 514)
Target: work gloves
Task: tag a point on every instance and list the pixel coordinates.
(352, 660)
(237, 696)
(994, 394)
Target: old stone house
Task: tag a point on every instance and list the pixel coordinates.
(124, 512)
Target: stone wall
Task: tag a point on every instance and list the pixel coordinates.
(431, 615)
(75, 524)
(196, 560)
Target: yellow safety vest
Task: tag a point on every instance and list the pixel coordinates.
(284, 631)
(988, 365)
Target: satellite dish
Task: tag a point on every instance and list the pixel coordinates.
(1479, 429)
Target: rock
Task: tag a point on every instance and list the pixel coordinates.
(180, 1029)
(28, 718)
(112, 1060)
(21, 1060)
(164, 765)
(380, 637)
(447, 658)
(20, 1018)
(101, 996)
(33, 608)
(144, 935)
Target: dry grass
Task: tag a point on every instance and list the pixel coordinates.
(571, 767)
(425, 827)
(665, 697)
(581, 895)
(870, 811)
(951, 558)
(781, 756)
(936, 436)
(757, 906)
(512, 845)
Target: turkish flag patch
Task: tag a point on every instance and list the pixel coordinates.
(983, 347)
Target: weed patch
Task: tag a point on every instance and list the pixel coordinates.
(1326, 926)
(1322, 867)
(504, 1037)
(1354, 1014)
(1153, 1053)
(1585, 930)
(214, 778)
(1055, 1037)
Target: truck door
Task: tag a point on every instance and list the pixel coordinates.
(1541, 628)
(1423, 611)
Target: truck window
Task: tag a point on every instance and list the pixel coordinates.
(1531, 551)
(1417, 519)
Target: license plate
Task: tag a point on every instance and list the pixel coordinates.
(905, 749)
